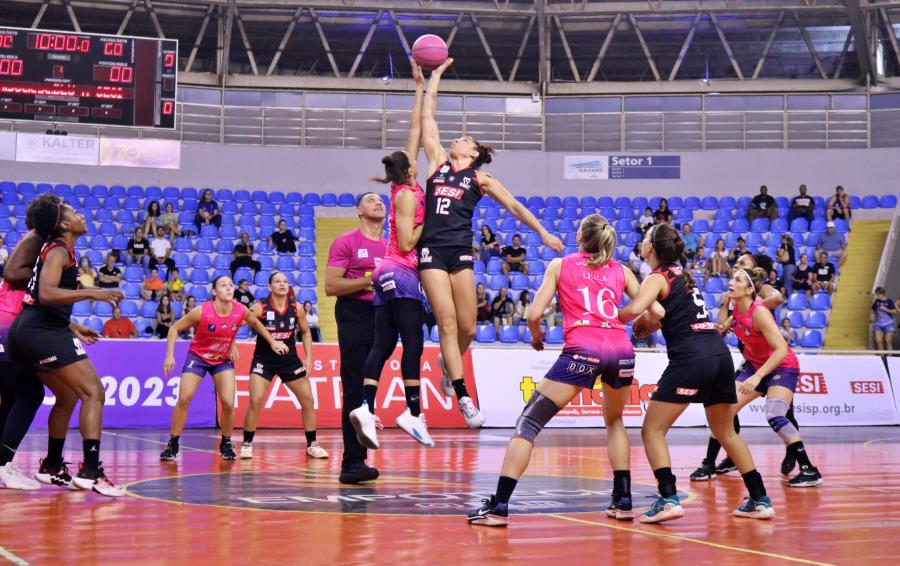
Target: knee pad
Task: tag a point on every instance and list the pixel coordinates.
(776, 411)
(534, 417)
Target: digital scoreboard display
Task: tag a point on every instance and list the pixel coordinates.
(87, 78)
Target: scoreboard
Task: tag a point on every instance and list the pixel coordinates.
(87, 78)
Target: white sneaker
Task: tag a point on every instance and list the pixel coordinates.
(474, 418)
(365, 424)
(13, 478)
(246, 450)
(446, 382)
(316, 451)
(416, 427)
(100, 484)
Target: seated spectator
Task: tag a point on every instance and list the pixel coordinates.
(522, 307)
(635, 260)
(776, 282)
(718, 263)
(190, 303)
(823, 275)
(165, 316)
(482, 303)
(691, 241)
(312, 321)
(153, 286)
(119, 326)
(802, 206)
(489, 246)
(833, 243)
(242, 294)
(86, 274)
(790, 336)
(762, 206)
(151, 218)
(802, 277)
(699, 265)
(109, 276)
(4, 255)
(646, 221)
(175, 285)
(138, 250)
(283, 239)
(243, 256)
(786, 256)
(883, 312)
(514, 257)
(644, 270)
(739, 250)
(161, 250)
(502, 309)
(550, 314)
(207, 211)
(169, 222)
(662, 215)
(838, 205)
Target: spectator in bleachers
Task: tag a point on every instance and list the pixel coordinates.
(699, 265)
(138, 250)
(190, 303)
(883, 312)
(646, 221)
(739, 250)
(243, 256)
(775, 282)
(718, 263)
(635, 260)
(165, 316)
(789, 334)
(175, 284)
(762, 206)
(489, 246)
(833, 243)
(802, 277)
(802, 206)
(161, 250)
(662, 215)
(514, 257)
(109, 276)
(838, 205)
(787, 258)
(207, 211)
(86, 274)
(151, 218)
(522, 307)
(823, 275)
(119, 326)
(552, 316)
(169, 221)
(153, 286)
(483, 304)
(4, 255)
(312, 321)
(242, 294)
(283, 239)
(644, 271)
(502, 309)
(691, 240)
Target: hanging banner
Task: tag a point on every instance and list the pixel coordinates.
(156, 154)
(67, 150)
(7, 146)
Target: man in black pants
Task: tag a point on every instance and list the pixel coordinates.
(348, 276)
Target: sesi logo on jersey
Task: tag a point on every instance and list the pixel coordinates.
(450, 192)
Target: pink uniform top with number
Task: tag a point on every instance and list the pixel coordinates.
(756, 347)
(394, 253)
(589, 299)
(215, 333)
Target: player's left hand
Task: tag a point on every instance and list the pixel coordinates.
(537, 341)
(748, 386)
(87, 335)
(234, 354)
(553, 242)
(280, 348)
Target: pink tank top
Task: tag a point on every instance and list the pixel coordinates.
(589, 300)
(215, 333)
(394, 253)
(756, 347)
(10, 303)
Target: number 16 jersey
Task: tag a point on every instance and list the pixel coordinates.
(450, 200)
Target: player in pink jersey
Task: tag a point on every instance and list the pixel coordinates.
(398, 291)
(590, 286)
(772, 369)
(216, 325)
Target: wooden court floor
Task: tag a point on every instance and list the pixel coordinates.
(281, 508)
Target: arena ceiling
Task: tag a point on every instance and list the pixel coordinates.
(555, 46)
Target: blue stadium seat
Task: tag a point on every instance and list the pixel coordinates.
(224, 246)
(181, 259)
(509, 334)
(295, 198)
(134, 274)
(817, 319)
(869, 201)
(548, 253)
(117, 191)
(841, 226)
(346, 200)
(242, 195)
(820, 302)
(811, 339)
(797, 302)
(129, 308)
(307, 264)
(243, 273)
(134, 191)
(701, 226)
(307, 249)
(329, 199)
(754, 240)
(569, 202)
(204, 246)
(262, 277)
(307, 279)
(153, 193)
(94, 324)
(520, 282)
(740, 225)
(249, 208)
(119, 242)
(100, 191)
(554, 335)
(818, 225)
(536, 267)
(229, 208)
(267, 209)
(285, 263)
(760, 226)
(499, 281)
(223, 195)
(693, 203)
(888, 201)
(312, 199)
(229, 232)
(720, 225)
(100, 242)
(485, 334)
(779, 225)
(103, 309)
(201, 261)
(307, 295)
(91, 203)
(209, 231)
(171, 193)
(112, 203)
(799, 225)
(259, 197)
(199, 292)
(81, 308)
(277, 197)
(797, 319)
(182, 245)
(715, 285)
(199, 277)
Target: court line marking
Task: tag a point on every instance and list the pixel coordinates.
(690, 539)
(872, 445)
(18, 561)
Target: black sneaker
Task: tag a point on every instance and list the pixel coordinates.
(808, 477)
(787, 465)
(358, 473)
(725, 466)
(621, 509)
(227, 450)
(705, 472)
(54, 474)
(492, 513)
(170, 452)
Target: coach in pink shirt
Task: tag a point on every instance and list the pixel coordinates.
(348, 276)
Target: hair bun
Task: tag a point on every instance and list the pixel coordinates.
(387, 160)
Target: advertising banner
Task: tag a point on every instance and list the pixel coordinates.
(612, 167)
(157, 154)
(7, 146)
(68, 150)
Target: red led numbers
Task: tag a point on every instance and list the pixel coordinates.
(114, 49)
(6, 41)
(120, 74)
(11, 67)
(168, 107)
(169, 60)
(61, 42)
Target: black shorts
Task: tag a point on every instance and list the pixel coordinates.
(709, 381)
(288, 367)
(43, 347)
(449, 259)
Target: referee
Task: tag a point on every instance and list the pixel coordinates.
(348, 276)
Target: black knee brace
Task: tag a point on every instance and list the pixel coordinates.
(534, 417)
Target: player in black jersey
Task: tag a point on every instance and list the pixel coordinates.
(58, 356)
(455, 185)
(282, 315)
(700, 370)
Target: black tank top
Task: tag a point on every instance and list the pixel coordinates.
(450, 200)
(67, 280)
(282, 325)
(686, 327)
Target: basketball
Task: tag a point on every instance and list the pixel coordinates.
(429, 51)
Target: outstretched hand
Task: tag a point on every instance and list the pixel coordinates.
(418, 75)
(443, 67)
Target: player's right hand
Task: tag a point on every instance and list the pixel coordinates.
(168, 365)
(537, 341)
(440, 70)
(553, 242)
(111, 296)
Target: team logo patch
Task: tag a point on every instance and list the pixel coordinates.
(79, 349)
(49, 360)
(466, 258)
(258, 368)
(425, 255)
(362, 252)
(445, 169)
(686, 391)
(211, 327)
(270, 315)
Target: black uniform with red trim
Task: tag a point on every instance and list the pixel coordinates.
(450, 200)
(282, 325)
(700, 367)
(40, 336)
